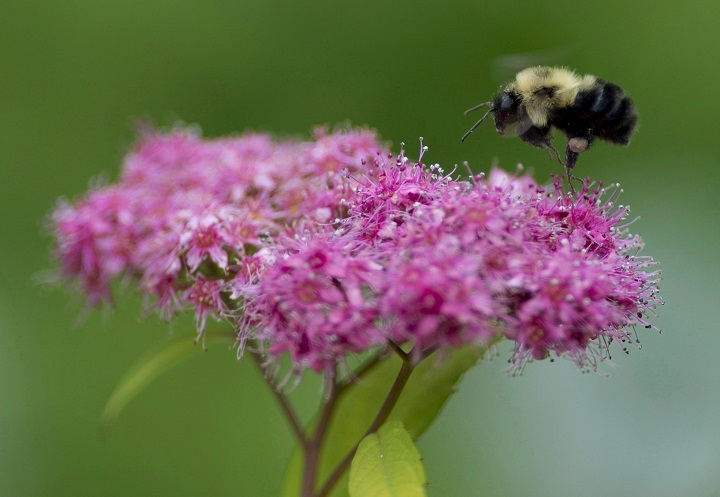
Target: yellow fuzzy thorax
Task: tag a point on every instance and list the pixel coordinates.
(563, 83)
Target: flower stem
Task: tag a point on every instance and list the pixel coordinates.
(282, 400)
(358, 373)
(390, 401)
(314, 444)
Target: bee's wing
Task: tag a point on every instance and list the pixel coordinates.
(518, 128)
(521, 127)
(504, 67)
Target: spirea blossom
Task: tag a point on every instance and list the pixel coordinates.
(335, 246)
(317, 301)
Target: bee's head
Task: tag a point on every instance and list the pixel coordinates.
(505, 107)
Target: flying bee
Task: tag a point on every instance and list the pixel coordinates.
(582, 107)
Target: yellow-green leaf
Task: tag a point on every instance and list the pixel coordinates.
(387, 464)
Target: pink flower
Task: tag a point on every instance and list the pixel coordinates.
(187, 207)
(205, 297)
(96, 239)
(388, 193)
(206, 235)
(437, 297)
(316, 303)
(330, 247)
(570, 300)
(333, 152)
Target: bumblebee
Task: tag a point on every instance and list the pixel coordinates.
(584, 108)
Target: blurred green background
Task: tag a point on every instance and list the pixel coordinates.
(76, 74)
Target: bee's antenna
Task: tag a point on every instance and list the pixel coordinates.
(481, 119)
(473, 109)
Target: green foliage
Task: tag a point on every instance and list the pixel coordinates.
(387, 464)
(151, 367)
(430, 386)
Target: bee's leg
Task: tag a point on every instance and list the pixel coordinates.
(575, 146)
(548, 148)
(540, 138)
(570, 160)
(535, 136)
(568, 170)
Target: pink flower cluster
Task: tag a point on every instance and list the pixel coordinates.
(334, 246)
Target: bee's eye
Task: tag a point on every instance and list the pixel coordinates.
(507, 101)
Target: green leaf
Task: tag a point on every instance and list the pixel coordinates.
(430, 386)
(293, 475)
(387, 464)
(148, 369)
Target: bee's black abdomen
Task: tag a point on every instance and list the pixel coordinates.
(622, 133)
(606, 109)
